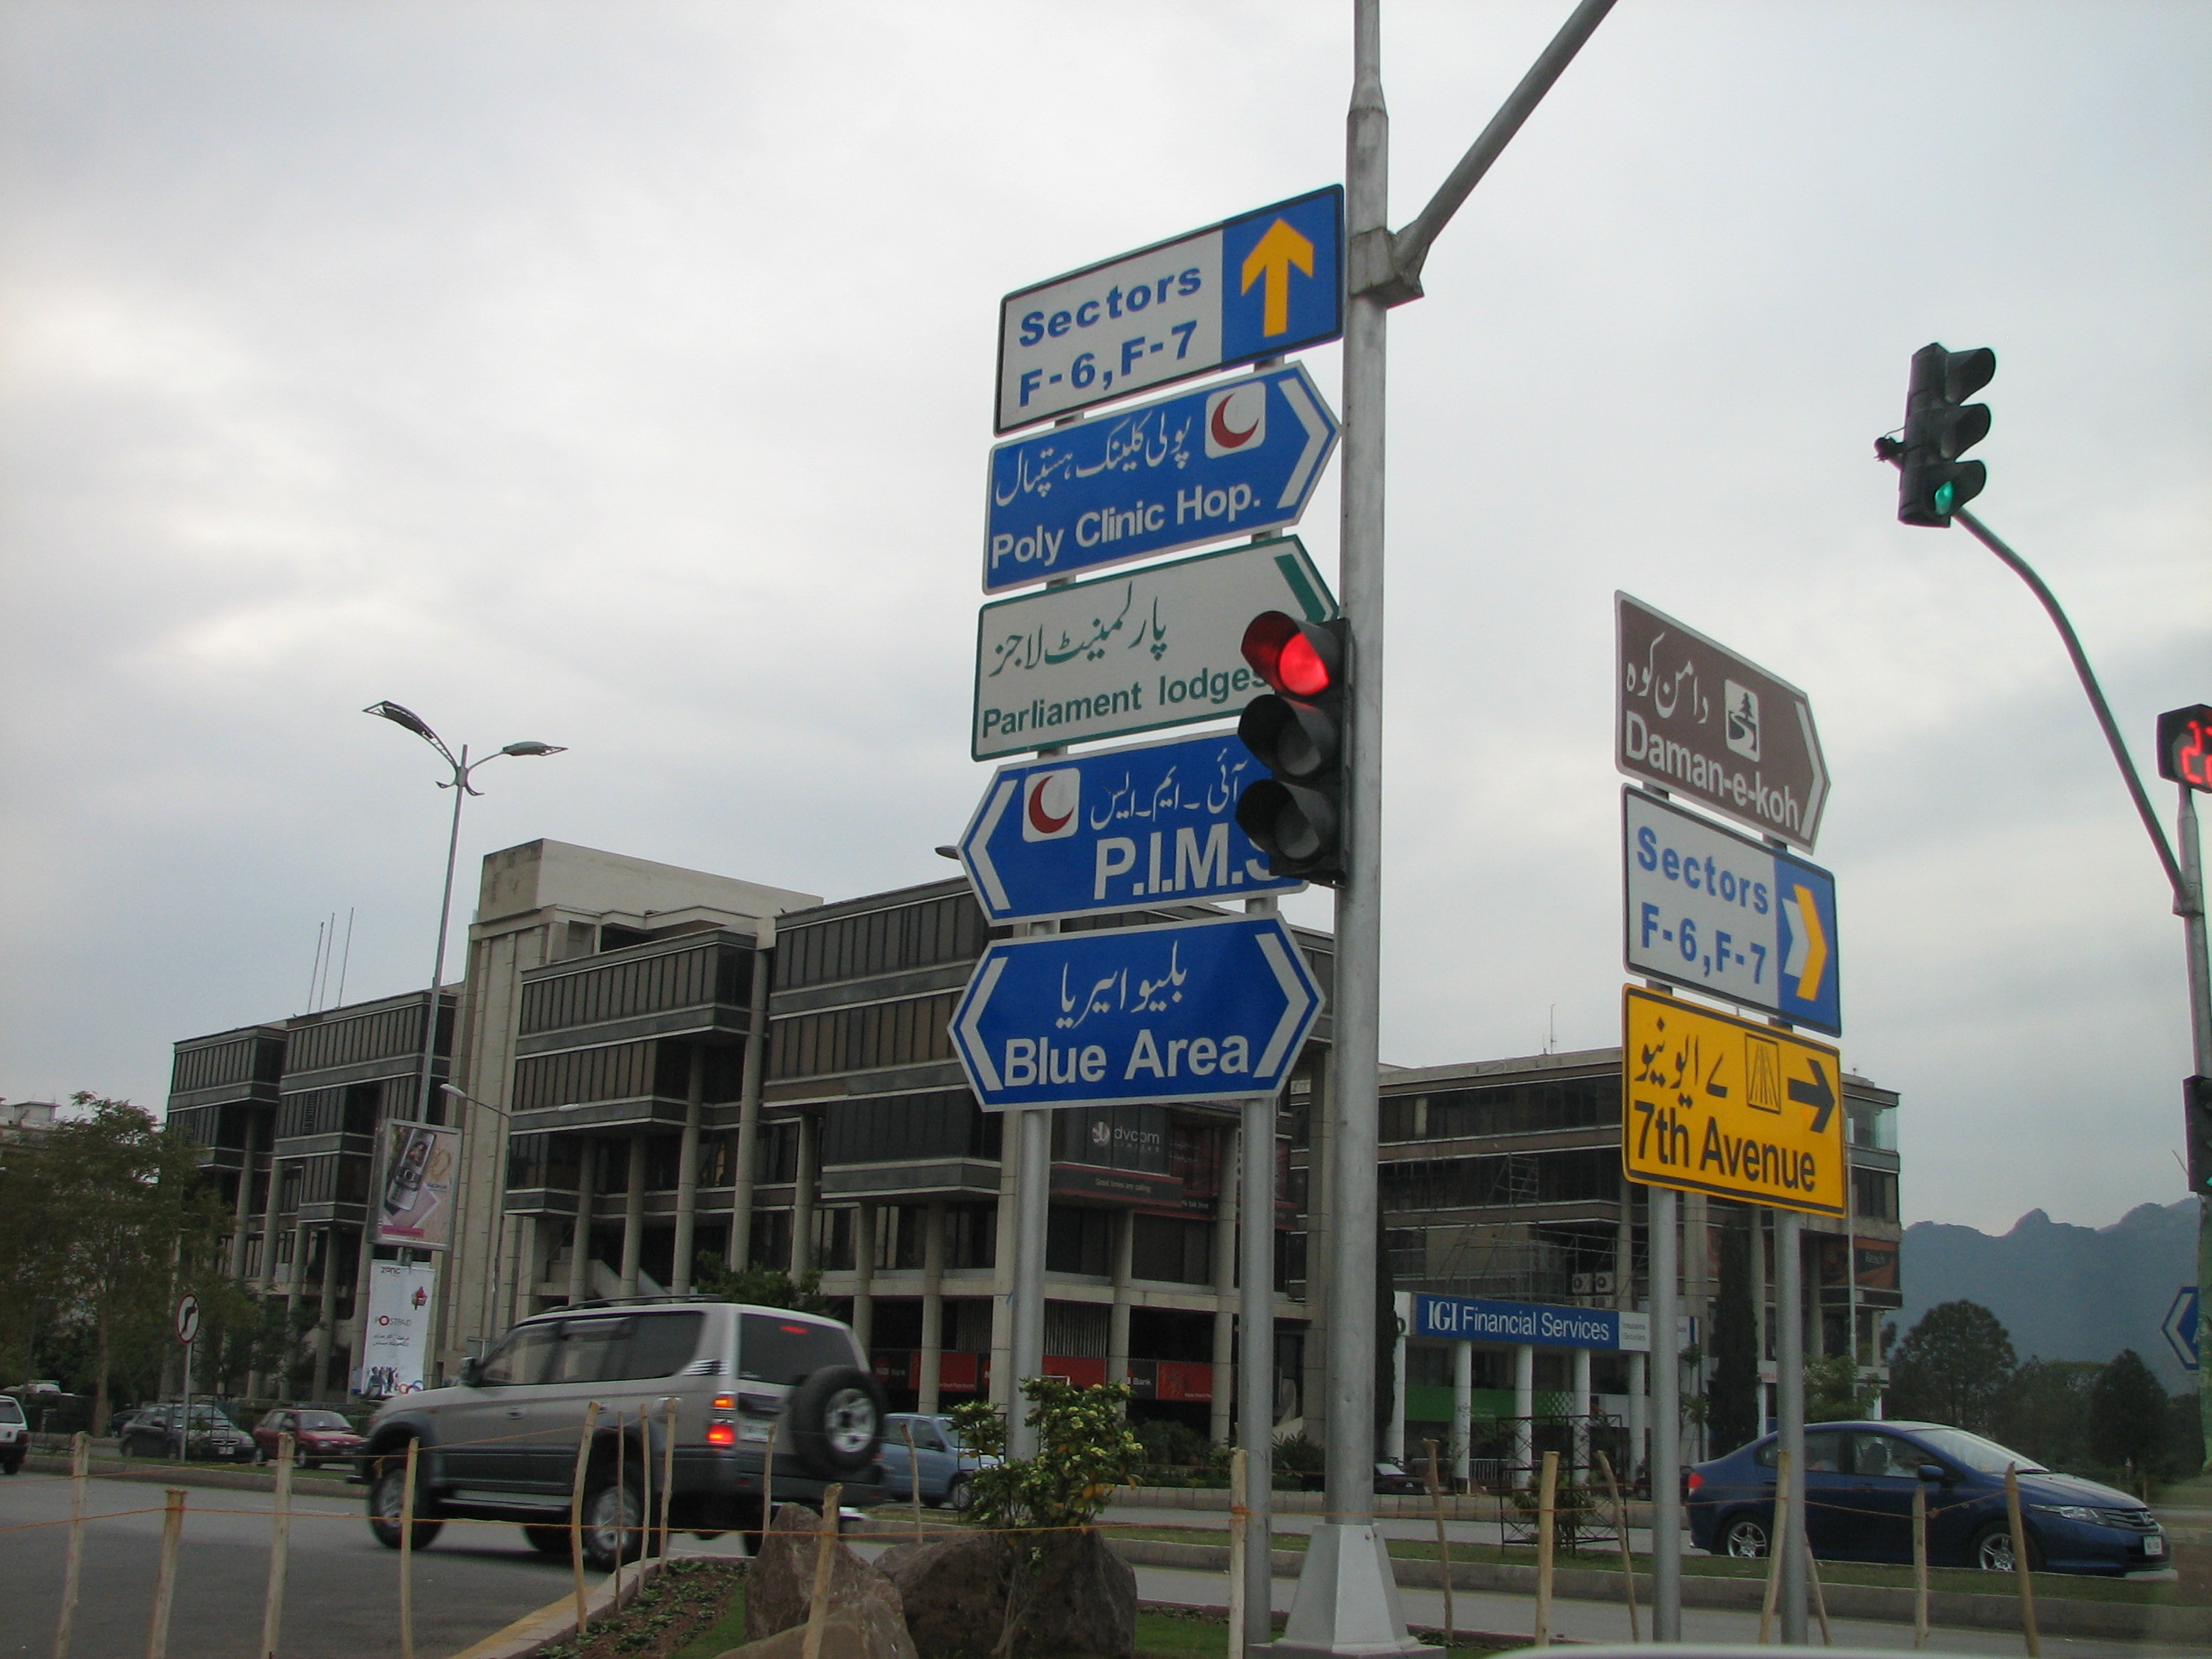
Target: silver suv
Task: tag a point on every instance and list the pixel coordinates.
(502, 1443)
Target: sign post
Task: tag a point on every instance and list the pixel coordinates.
(185, 1320)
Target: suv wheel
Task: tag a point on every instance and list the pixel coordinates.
(548, 1540)
(614, 1523)
(1745, 1537)
(836, 1419)
(388, 1494)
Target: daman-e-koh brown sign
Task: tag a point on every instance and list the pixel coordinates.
(1714, 1104)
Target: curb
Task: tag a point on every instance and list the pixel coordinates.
(252, 1478)
(2054, 1616)
(534, 1631)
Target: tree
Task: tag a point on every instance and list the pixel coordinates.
(1953, 1366)
(1835, 1392)
(1732, 1413)
(2127, 1417)
(763, 1287)
(2045, 1413)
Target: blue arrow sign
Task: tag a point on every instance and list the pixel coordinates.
(2180, 1326)
(1214, 1010)
(1116, 829)
(1200, 467)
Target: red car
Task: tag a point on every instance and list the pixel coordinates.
(319, 1436)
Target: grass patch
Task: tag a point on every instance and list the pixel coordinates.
(1200, 1634)
(672, 1615)
(727, 1632)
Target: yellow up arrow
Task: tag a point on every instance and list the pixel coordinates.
(1816, 947)
(1272, 256)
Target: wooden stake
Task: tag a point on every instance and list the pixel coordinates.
(280, 1547)
(667, 1474)
(1777, 1540)
(826, 1559)
(1820, 1595)
(913, 1476)
(1547, 1497)
(1239, 1516)
(1920, 1564)
(2020, 1563)
(164, 1576)
(576, 1511)
(80, 1472)
(1443, 1543)
(407, 1557)
(1627, 1559)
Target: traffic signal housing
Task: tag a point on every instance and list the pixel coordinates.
(1297, 815)
(2184, 747)
(1940, 426)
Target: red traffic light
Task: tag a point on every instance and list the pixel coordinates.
(2184, 746)
(1297, 658)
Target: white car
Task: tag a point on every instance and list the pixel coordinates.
(15, 1434)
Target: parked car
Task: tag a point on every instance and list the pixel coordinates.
(502, 1444)
(14, 1435)
(152, 1432)
(1859, 1482)
(944, 1461)
(319, 1436)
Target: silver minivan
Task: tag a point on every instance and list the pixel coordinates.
(720, 1378)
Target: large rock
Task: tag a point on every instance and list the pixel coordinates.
(1079, 1603)
(846, 1634)
(780, 1589)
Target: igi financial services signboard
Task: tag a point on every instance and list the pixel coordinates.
(1478, 1319)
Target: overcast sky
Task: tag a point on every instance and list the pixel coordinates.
(619, 375)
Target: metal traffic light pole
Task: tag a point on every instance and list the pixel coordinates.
(1347, 1601)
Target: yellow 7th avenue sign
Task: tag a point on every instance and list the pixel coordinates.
(1714, 1104)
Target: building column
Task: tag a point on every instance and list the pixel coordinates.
(1582, 1410)
(933, 1306)
(579, 1247)
(687, 1173)
(1462, 1424)
(1524, 1413)
(864, 1276)
(241, 1214)
(633, 1245)
(519, 1298)
(1225, 1288)
(1117, 1318)
(327, 1315)
(740, 1253)
(267, 1278)
(803, 1194)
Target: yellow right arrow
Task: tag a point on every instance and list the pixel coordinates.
(1272, 256)
(1816, 947)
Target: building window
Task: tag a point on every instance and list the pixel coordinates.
(622, 990)
(1115, 1138)
(1165, 1247)
(332, 1179)
(950, 929)
(906, 1128)
(247, 1060)
(1508, 1109)
(1078, 1241)
(351, 1111)
(1873, 1194)
(543, 1161)
(1466, 1184)
(911, 1032)
(391, 1034)
(622, 1071)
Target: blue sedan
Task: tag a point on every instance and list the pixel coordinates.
(941, 1461)
(1859, 1482)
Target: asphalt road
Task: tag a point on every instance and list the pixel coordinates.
(341, 1593)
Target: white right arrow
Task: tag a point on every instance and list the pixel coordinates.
(1294, 393)
(1295, 998)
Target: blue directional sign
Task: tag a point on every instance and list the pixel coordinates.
(1256, 286)
(1723, 913)
(1116, 829)
(1233, 459)
(2180, 1327)
(1214, 1010)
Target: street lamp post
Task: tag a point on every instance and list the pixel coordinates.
(462, 768)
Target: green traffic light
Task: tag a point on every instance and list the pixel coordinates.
(1946, 495)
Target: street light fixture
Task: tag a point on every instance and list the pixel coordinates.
(462, 768)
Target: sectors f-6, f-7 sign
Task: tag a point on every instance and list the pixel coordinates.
(1693, 717)
(1727, 915)
(1193, 1010)
(1115, 828)
(1251, 287)
(1716, 1104)
(1230, 460)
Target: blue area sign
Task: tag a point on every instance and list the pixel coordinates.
(1214, 1010)
(1531, 1324)
(2180, 1327)
(1115, 830)
(1258, 285)
(1232, 459)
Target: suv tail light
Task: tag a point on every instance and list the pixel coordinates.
(722, 1434)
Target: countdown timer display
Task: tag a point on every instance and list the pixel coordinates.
(2184, 746)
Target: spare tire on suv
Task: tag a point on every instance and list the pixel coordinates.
(836, 1418)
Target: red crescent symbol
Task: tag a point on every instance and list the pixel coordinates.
(1038, 820)
(1222, 433)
